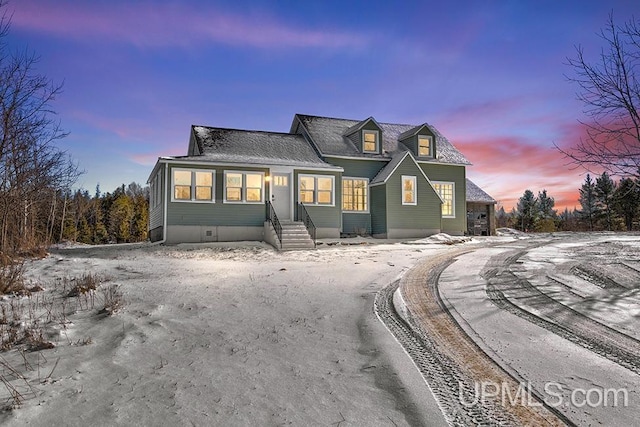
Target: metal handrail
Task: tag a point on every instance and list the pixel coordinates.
(303, 215)
(273, 219)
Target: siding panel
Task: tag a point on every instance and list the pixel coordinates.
(378, 208)
(425, 215)
(451, 173)
(218, 213)
(323, 216)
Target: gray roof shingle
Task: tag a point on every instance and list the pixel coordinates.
(254, 147)
(328, 135)
(477, 194)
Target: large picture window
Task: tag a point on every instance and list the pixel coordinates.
(192, 185)
(316, 189)
(355, 194)
(446, 190)
(409, 194)
(243, 187)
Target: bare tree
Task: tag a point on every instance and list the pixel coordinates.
(609, 88)
(32, 167)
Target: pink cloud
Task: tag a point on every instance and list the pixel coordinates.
(507, 166)
(160, 25)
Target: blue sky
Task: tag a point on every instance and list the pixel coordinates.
(490, 75)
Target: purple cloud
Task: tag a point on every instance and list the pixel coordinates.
(162, 25)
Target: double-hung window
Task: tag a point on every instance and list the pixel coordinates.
(193, 185)
(243, 187)
(370, 141)
(355, 194)
(447, 191)
(409, 193)
(424, 145)
(316, 189)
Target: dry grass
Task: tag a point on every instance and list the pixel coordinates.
(11, 277)
(31, 314)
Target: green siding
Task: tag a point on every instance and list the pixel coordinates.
(323, 216)
(378, 208)
(456, 174)
(156, 218)
(356, 223)
(424, 215)
(218, 213)
(358, 168)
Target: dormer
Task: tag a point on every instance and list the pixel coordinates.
(421, 141)
(366, 135)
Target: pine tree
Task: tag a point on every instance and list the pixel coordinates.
(604, 191)
(527, 211)
(547, 215)
(588, 202)
(627, 201)
(120, 218)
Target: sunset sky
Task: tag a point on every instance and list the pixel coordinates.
(490, 75)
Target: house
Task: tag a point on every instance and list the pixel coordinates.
(336, 176)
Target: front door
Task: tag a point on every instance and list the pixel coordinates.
(281, 195)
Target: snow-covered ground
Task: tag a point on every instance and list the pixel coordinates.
(224, 334)
(239, 334)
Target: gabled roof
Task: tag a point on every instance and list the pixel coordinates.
(353, 129)
(476, 194)
(328, 136)
(387, 171)
(253, 147)
(412, 132)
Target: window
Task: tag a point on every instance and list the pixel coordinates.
(355, 196)
(409, 195)
(424, 145)
(316, 189)
(243, 187)
(280, 180)
(370, 141)
(446, 190)
(192, 185)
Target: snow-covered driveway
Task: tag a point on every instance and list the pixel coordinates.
(568, 320)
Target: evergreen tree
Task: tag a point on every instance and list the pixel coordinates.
(547, 215)
(627, 201)
(588, 202)
(120, 218)
(604, 191)
(527, 211)
(502, 219)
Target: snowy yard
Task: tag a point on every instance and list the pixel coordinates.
(234, 334)
(224, 335)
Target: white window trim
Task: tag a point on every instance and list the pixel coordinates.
(415, 189)
(244, 188)
(430, 138)
(377, 134)
(193, 185)
(453, 196)
(315, 190)
(368, 194)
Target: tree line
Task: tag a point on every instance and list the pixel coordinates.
(604, 205)
(118, 217)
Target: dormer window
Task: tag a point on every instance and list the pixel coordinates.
(370, 141)
(425, 142)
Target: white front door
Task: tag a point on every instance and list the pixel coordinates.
(281, 195)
